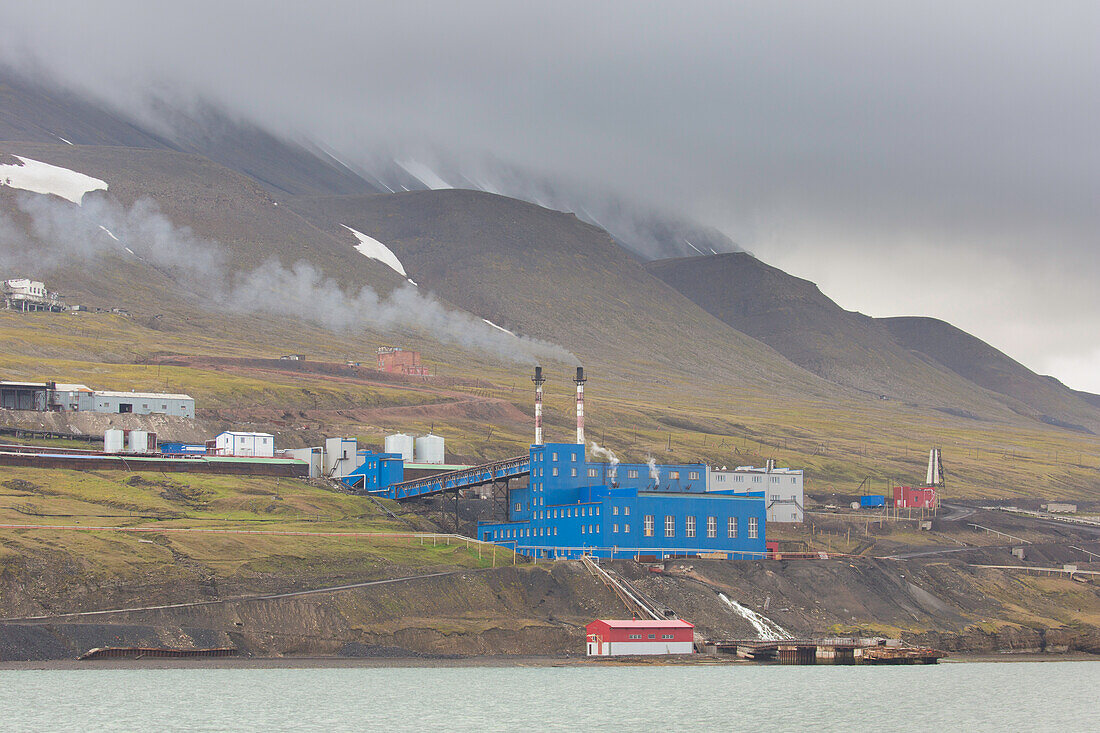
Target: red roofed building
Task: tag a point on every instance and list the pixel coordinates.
(608, 637)
(908, 497)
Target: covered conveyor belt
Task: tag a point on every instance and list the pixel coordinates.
(454, 480)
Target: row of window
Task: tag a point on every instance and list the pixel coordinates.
(740, 478)
(647, 528)
(689, 526)
(590, 511)
(651, 636)
(513, 534)
(633, 473)
(553, 457)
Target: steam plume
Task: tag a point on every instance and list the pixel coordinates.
(654, 472)
(612, 459)
(100, 226)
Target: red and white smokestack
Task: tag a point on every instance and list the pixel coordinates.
(539, 381)
(579, 380)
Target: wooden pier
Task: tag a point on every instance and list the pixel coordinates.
(824, 651)
(133, 652)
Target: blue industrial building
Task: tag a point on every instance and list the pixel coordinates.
(572, 507)
(376, 471)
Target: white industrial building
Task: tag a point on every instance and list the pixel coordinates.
(314, 456)
(72, 398)
(782, 487)
(59, 397)
(340, 457)
(145, 403)
(258, 445)
(129, 441)
(337, 458)
(24, 294)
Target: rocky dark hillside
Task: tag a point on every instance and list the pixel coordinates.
(39, 112)
(914, 359)
(544, 273)
(968, 356)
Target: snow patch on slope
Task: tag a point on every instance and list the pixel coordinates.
(39, 177)
(424, 174)
(111, 234)
(375, 250)
(499, 328)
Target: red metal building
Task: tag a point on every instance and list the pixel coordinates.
(399, 361)
(609, 637)
(909, 497)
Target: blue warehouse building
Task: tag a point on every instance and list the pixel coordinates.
(376, 471)
(572, 507)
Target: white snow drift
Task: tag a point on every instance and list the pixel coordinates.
(372, 248)
(39, 177)
(499, 328)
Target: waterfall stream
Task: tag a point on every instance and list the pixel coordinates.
(766, 629)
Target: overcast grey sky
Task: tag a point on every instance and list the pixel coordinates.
(936, 158)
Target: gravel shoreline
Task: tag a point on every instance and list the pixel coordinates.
(458, 662)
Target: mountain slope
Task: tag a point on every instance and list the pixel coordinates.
(977, 361)
(215, 203)
(892, 357)
(38, 112)
(794, 317)
(547, 274)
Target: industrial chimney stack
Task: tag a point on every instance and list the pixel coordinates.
(579, 380)
(539, 381)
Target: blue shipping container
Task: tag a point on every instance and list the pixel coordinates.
(183, 449)
(872, 500)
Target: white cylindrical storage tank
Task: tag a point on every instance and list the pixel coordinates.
(429, 449)
(139, 441)
(401, 443)
(113, 440)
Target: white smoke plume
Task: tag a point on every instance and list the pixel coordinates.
(654, 472)
(65, 233)
(612, 459)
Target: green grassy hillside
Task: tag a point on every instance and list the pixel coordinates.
(183, 530)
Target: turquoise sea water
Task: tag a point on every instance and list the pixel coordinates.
(972, 697)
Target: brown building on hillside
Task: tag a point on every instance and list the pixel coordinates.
(400, 361)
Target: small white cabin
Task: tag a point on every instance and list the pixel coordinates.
(258, 445)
